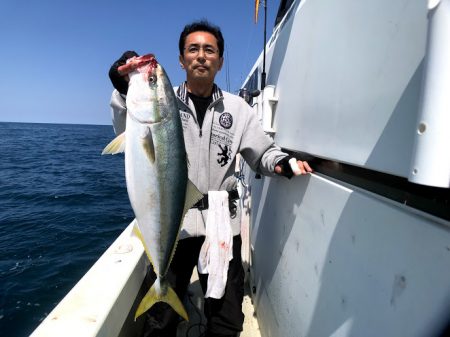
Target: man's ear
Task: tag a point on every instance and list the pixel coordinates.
(221, 63)
(181, 60)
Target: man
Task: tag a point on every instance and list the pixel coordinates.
(216, 126)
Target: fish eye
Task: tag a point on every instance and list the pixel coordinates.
(152, 79)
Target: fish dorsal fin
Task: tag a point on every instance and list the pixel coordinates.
(193, 195)
(117, 145)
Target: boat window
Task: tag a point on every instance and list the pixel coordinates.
(252, 83)
(282, 10)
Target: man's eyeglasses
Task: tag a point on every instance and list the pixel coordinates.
(208, 51)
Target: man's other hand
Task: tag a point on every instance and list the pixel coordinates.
(290, 166)
(120, 83)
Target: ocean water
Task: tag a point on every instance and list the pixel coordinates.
(61, 205)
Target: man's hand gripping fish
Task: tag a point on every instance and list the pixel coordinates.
(156, 171)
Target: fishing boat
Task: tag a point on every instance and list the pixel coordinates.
(361, 247)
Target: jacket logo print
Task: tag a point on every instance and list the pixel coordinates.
(224, 156)
(226, 120)
(185, 116)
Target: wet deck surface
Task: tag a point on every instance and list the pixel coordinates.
(196, 326)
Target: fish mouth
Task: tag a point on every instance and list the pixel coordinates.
(138, 63)
(146, 59)
(147, 65)
(148, 68)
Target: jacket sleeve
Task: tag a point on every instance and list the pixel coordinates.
(257, 148)
(118, 112)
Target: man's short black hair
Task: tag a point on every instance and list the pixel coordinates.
(202, 26)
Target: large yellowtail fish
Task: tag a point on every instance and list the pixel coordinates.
(156, 171)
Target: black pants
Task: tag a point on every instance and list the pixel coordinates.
(225, 316)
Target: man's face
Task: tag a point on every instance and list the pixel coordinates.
(200, 57)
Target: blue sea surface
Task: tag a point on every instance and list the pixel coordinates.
(61, 205)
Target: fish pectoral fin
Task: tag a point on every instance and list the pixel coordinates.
(170, 298)
(117, 145)
(193, 195)
(148, 145)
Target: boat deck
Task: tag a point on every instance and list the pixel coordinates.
(104, 301)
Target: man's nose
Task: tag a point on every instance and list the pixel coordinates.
(201, 54)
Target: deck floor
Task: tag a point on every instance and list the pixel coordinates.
(196, 325)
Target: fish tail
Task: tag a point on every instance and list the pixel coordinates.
(160, 291)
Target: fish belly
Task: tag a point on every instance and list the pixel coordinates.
(156, 187)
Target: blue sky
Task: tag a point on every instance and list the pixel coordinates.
(55, 54)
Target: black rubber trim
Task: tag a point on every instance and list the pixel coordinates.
(431, 200)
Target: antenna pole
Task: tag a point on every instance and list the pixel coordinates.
(263, 74)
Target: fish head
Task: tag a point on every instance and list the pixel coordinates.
(150, 97)
(141, 71)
